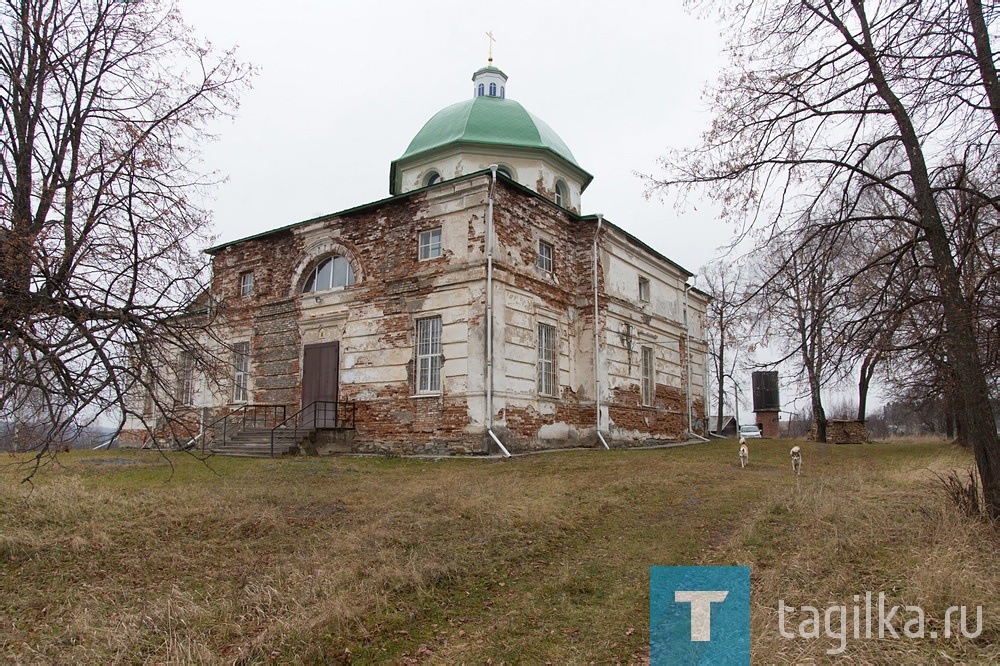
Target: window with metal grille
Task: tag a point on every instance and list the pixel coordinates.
(429, 355)
(430, 244)
(545, 252)
(648, 376)
(547, 365)
(241, 371)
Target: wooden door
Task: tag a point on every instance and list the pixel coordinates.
(320, 382)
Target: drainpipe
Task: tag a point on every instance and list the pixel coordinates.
(489, 310)
(687, 350)
(687, 336)
(597, 339)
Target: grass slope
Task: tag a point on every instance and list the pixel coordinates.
(540, 559)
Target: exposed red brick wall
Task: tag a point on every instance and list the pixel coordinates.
(698, 407)
(269, 314)
(769, 423)
(665, 419)
(183, 424)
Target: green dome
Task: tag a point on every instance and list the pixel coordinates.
(490, 121)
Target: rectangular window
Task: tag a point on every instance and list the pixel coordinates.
(429, 355)
(185, 378)
(547, 365)
(644, 290)
(430, 244)
(545, 252)
(246, 283)
(648, 376)
(241, 370)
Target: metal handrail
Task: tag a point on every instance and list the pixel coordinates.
(261, 414)
(343, 417)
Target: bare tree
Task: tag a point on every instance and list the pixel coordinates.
(829, 100)
(726, 324)
(102, 105)
(799, 298)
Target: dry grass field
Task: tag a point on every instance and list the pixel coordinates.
(119, 557)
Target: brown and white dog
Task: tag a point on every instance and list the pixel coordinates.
(796, 460)
(744, 453)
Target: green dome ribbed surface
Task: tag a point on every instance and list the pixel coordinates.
(491, 121)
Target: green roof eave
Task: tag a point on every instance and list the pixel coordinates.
(489, 68)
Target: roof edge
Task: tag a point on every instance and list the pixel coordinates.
(635, 241)
(215, 249)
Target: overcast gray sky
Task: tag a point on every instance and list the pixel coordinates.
(344, 87)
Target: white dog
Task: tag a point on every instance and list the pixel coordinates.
(744, 453)
(796, 460)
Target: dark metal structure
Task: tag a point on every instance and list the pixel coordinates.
(765, 392)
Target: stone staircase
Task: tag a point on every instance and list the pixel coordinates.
(256, 443)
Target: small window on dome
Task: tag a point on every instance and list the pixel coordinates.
(562, 193)
(493, 90)
(432, 178)
(505, 171)
(330, 273)
(501, 92)
(482, 90)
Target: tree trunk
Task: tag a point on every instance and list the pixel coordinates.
(975, 409)
(722, 388)
(984, 57)
(864, 382)
(819, 416)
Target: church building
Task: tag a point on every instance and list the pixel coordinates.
(474, 310)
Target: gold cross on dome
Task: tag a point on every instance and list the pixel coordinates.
(490, 35)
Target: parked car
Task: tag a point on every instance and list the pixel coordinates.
(749, 432)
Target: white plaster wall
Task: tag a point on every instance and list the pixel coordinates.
(630, 323)
(528, 170)
(516, 354)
